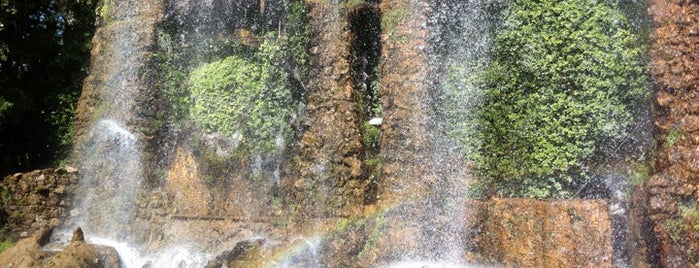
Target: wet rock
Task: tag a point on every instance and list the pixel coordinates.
(666, 232)
(77, 254)
(27, 252)
(246, 253)
(185, 184)
(330, 145)
(78, 236)
(31, 200)
(534, 233)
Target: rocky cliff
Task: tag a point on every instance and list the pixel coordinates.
(359, 194)
(668, 199)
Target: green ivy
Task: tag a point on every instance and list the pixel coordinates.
(564, 79)
(371, 135)
(297, 36)
(248, 99)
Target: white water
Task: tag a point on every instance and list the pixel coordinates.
(110, 177)
(428, 264)
(132, 257)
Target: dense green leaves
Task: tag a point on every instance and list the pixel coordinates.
(44, 53)
(564, 79)
(247, 99)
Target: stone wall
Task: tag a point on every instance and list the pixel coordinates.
(535, 233)
(503, 232)
(30, 200)
(668, 214)
(327, 170)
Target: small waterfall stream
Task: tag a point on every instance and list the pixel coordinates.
(111, 180)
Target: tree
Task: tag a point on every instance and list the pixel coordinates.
(44, 53)
(563, 82)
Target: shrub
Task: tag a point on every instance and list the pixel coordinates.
(4, 245)
(564, 78)
(247, 99)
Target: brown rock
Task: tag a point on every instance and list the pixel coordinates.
(78, 236)
(534, 233)
(27, 252)
(77, 254)
(675, 71)
(246, 253)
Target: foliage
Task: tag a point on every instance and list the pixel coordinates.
(460, 101)
(297, 35)
(379, 224)
(44, 53)
(638, 172)
(370, 136)
(104, 9)
(247, 99)
(4, 245)
(673, 137)
(564, 78)
(392, 18)
(4, 106)
(172, 77)
(691, 213)
(674, 228)
(61, 118)
(350, 4)
(234, 94)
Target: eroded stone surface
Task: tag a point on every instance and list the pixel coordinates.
(665, 228)
(30, 200)
(534, 233)
(327, 161)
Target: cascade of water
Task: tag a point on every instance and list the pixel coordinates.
(213, 185)
(461, 34)
(110, 143)
(110, 179)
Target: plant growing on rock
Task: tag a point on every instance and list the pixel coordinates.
(246, 98)
(564, 79)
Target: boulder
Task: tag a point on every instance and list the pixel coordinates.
(246, 253)
(77, 254)
(27, 252)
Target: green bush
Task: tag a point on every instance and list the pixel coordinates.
(564, 79)
(245, 98)
(4, 245)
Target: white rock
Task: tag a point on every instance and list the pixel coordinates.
(376, 121)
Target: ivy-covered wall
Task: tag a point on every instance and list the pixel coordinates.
(561, 89)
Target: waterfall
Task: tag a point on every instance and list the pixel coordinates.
(110, 181)
(296, 134)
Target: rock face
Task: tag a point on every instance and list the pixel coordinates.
(328, 158)
(77, 254)
(324, 177)
(30, 200)
(245, 254)
(507, 232)
(404, 91)
(534, 233)
(118, 74)
(667, 201)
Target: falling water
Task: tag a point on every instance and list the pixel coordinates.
(208, 198)
(110, 181)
